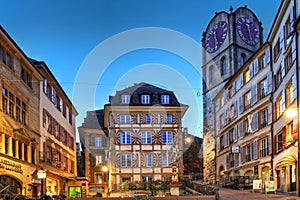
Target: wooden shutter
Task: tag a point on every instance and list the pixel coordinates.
(283, 99)
(251, 69)
(274, 144)
(241, 129)
(270, 144)
(235, 133)
(92, 141)
(242, 154)
(235, 107)
(53, 123)
(241, 80)
(255, 149)
(270, 113)
(282, 66)
(254, 94)
(236, 159)
(281, 38)
(294, 49)
(292, 19)
(294, 85)
(227, 161)
(44, 117)
(254, 122)
(241, 104)
(255, 66)
(270, 82)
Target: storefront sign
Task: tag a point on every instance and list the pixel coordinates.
(270, 186)
(257, 184)
(11, 166)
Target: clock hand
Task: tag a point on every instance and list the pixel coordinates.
(215, 37)
(248, 27)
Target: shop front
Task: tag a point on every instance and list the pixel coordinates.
(285, 174)
(16, 177)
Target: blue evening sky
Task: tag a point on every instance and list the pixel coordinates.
(95, 47)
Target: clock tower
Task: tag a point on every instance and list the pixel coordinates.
(228, 41)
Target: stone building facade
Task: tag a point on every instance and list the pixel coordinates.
(228, 41)
(19, 127)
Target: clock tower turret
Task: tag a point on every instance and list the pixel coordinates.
(228, 41)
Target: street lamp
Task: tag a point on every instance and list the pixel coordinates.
(42, 175)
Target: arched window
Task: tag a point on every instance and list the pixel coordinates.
(223, 66)
(243, 59)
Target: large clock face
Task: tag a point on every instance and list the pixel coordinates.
(216, 37)
(247, 30)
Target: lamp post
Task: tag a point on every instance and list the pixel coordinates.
(42, 175)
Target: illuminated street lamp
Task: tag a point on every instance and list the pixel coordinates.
(42, 175)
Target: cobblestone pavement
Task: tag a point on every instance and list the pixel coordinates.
(230, 194)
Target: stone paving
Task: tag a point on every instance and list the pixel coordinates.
(230, 194)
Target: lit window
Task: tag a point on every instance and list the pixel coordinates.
(99, 160)
(289, 93)
(99, 178)
(145, 99)
(165, 99)
(247, 76)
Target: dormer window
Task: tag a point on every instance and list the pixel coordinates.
(125, 99)
(165, 99)
(145, 99)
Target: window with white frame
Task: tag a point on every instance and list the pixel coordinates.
(289, 132)
(247, 100)
(146, 138)
(263, 147)
(280, 141)
(167, 137)
(263, 88)
(165, 99)
(148, 119)
(166, 159)
(126, 160)
(125, 99)
(98, 141)
(99, 160)
(99, 178)
(169, 119)
(125, 119)
(145, 99)
(149, 160)
(125, 137)
(263, 117)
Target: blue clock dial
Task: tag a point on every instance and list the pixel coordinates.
(216, 37)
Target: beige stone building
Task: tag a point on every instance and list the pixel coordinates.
(285, 68)
(256, 137)
(144, 126)
(243, 124)
(19, 115)
(58, 136)
(95, 146)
